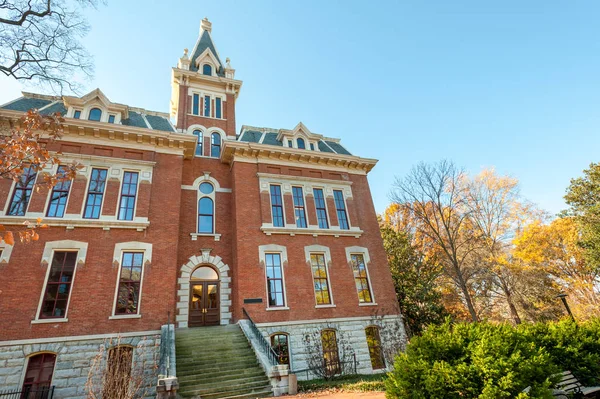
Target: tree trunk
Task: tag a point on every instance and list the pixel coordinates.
(511, 305)
(468, 300)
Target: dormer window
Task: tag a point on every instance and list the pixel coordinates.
(95, 114)
(111, 119)
(77, 114)
(312, 146)
(300, 143)
(207, 69)
(289, 143)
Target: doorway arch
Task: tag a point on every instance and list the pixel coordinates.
(204, 297)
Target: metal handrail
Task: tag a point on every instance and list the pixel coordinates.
(271, 355)
(28, 393)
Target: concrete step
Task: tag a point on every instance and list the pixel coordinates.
(224, 390)
(207, 362)
(232, 366)
(208, 387)
(210, 376)
(200, 350)
(261, 394)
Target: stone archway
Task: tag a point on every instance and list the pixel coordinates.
(183, 293)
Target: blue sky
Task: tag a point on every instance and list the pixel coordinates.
(512, 84)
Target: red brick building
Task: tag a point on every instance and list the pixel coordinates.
(180, 214)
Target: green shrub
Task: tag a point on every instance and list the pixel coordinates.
(490, 361)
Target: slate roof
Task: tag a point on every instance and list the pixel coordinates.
(54, 104)
(254, 136)
(204, 42)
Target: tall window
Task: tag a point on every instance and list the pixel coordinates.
(22, 192)
(321, 208)
(374, 344)
(128, 294)
(118, 377)
(331, 357)
(77, 114)
(207, 70)
(218, 108)
(199, 138)
(95, 114)
(111, 119)
(128, 193)
(93, 203)
(361, 279)
(196, 104)
(319, 272)
(215, 145)
(59, 195)
(300, 143)
(206, 105)
(280, 345)
(340, 208)
(299, 210)
(274, 279)
(58, 286)
(205, 215)
(38, 376)
(277, 206)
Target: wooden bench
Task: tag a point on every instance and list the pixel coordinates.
(569, 386)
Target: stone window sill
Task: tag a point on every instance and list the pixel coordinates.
(292, 231)
(279, 308)
(208, 117)
(368, 304)
(71, 224)
(195, 236)
(324, 306)
(125, 316)
(48, 321)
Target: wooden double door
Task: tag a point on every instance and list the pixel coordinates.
(204, 303)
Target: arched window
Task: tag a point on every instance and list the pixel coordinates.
(331, 356)
(39, 372)
(207, 69)
(198, 134)
(280, 345)
(204, 273)
(206, 215)
(95, 114)
(300, 143)
(374, 344)
(215, 145)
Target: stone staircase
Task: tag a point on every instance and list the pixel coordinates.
(218, 362)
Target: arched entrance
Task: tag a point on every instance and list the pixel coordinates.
(204, 298)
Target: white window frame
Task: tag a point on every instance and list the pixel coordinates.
(12, 192)
(345, 205)
(222, 135)
(281, 250)
(289, 339)
(212, 196)
(137, 191)
(87, 191)
(47, 256)
(324, 189)
(6, 252)
(320, 250)
(356, 250)
(137, 247)
(49, 196)
(303, 188)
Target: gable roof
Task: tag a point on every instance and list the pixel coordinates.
(205, 42)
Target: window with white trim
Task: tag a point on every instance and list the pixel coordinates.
(95, 195)
(58, 285)
(128, 195)
(207, 106)
(340, 208)
(215, 145)
(320, 277)
(275, 286)
(59, 195)
(321, 208)
(196, 104)
(299, 209)
(361, 278)
(21, 195)
(199, 138)
(218, 108)
(130, 282)
(277, 206)
(206, 208)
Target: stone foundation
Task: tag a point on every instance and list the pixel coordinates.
(351, 330)
(74, 359)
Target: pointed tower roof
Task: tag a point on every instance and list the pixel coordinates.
(203, 44)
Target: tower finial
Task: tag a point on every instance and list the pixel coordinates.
(205, 25)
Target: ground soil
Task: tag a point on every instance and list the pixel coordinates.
(339, 395)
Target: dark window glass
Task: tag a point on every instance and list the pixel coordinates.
(299, 210)
(128, 194)
(38, 375)
(128, 297)
(77, 114)
(206, 188)
(205, 215)
(274, 279)
(215, 145)
(95, 114)
(207, 70)
(118, 373)
(374, 344)
(320, 208)
(340, 208)
(111, 119)
(331, 356)
(93, 203)
(59, 195)
(300, 143)
(196, 104)
(290, 143)
(361, 280)
(280, 345)
(277, 206)
(22, 192)
(218, 108)
(206, 105)
(199, 139)
(58, 286)
(319, 272)
(312, 146)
